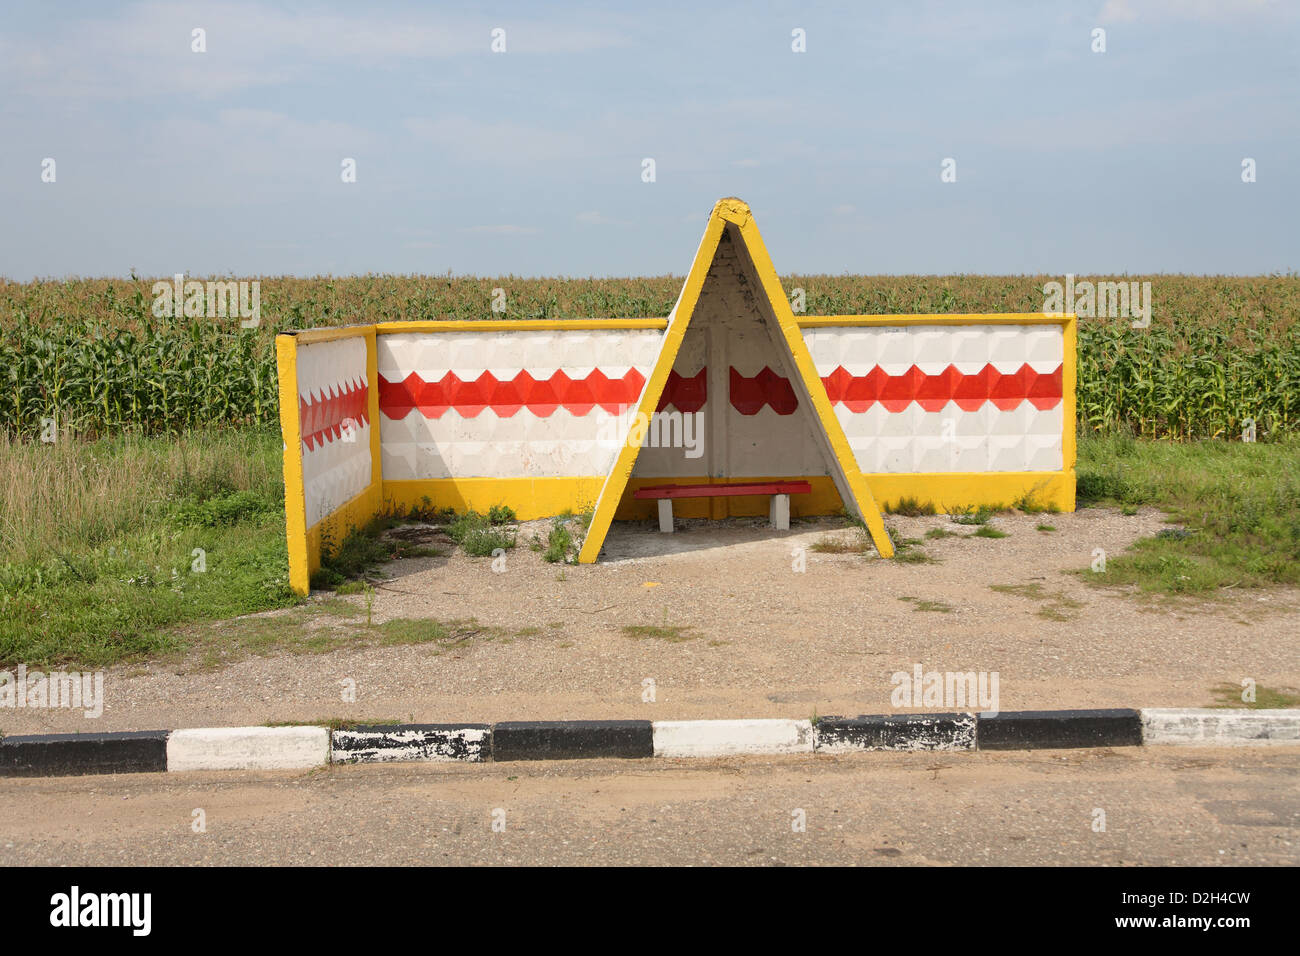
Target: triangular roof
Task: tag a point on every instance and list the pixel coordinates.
(808, 385)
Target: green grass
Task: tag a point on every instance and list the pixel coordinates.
(906, 550)
(1053, 605)
(673, 634)
(343, 723)
(1045, 527)
(501, 514)
(338, 607)
(560, 546)
(913, 557)
(405, 630)
(920, 604)
(910, 507)
(1029, 503)
(315, 629)
(1266, 698)
(834, 545)
(1240, 501)
(968, 515)
(108, 545)
(480, 536)
(988, 531)
(345, 562)
(119, 549)
(484, 542)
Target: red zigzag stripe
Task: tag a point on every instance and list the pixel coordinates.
(540, 396)
(748, 393)
(322, 421)
(932, 392)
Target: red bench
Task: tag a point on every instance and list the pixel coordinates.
(778, 510)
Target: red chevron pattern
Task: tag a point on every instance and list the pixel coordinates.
(749, 395)
(896, 392)
(688, 394)
(685, 394)
(322, 421)
(540, 396)
(933, 392)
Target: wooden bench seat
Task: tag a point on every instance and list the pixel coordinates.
(778, 510)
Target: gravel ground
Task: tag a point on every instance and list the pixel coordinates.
(764, 639)
(1162, 805)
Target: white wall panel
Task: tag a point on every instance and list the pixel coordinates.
(335, 468)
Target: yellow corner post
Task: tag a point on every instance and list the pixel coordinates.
(616, 482)
(861, 500)
(1069, 420)
(295, 505)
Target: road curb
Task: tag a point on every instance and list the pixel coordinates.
(304, 747)
(724, 738)
(1053, 729)
(56, 755)
(896, 732)
(248, 748)
(406, 742)
(571, 739)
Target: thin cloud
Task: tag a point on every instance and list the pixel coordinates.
(594, 218)
(500, 143)
(251, 46)
(503, 230)
(1129, 11)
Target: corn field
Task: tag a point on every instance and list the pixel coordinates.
(90, 354)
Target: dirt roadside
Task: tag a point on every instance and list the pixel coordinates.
(1162, 806)
(759, 638)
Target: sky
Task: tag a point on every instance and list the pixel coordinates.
(531, 161)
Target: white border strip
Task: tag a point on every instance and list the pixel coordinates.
(722, 738)
(248, 748)
(1209, 727)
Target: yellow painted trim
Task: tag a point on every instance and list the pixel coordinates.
(316, 336)
(534, 498)
(864, 505)
(944, 490)
(372, 408)
(993, 318)
(522, 325)
(611, 492)
(531, 498)
(295, 505)
(1069, 381)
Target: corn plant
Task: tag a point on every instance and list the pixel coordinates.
(89, 353)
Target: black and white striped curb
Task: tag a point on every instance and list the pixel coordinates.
(301, 747)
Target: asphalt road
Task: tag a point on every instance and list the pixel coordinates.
(1161, 806)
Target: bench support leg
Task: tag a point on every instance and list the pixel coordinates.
(666, 515)
(779, 512)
